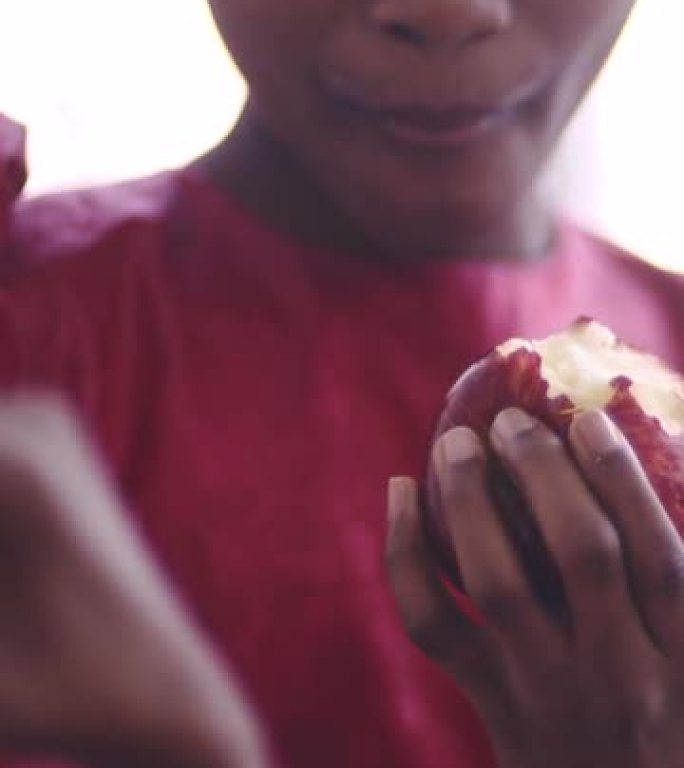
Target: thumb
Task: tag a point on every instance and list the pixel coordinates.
(428, 611)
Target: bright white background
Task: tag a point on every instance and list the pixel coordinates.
(116, 89)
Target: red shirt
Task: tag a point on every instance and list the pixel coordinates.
(254, 394)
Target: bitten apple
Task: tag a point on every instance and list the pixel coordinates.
(584, 367)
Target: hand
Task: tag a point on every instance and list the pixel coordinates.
(98, 660)
(600, 684)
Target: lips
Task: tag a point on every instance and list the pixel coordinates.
(435, 121)
(433, 128)
(424, 126)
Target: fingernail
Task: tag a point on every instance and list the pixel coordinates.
(596, 432)
(460, 444)
(510, 423)
(399, 495)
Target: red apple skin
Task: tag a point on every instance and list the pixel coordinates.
(499, 382)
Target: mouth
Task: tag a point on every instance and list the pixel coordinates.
(423, 127)
(451, 128)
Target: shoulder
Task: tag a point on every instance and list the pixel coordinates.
(665, 285)
(77, 270)
(70, 223)
(88, 252)
(79, 222)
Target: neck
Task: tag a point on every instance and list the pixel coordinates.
(259, 173)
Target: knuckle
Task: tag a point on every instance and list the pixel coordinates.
(502, 605)
(464, 486)
(427, 630)
(396, 557)
(635, 715)
(667, 580)
(401, 554)
(651, 703)
(596, 559)
(611, 461)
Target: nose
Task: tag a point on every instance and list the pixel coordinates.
(439, 23)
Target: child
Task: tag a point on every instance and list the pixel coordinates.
(260, 340)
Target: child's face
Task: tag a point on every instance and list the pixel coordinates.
(421, 119)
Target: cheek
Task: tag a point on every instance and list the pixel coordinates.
(271, 39)
(580, 29)
(581, 34)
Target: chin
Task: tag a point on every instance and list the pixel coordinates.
(443, 214)
(459, 231)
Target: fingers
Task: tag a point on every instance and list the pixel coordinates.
(60, 511)
(653, 548)
(492, 573)
(29, 456)
(429, 614)
(580, 537)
